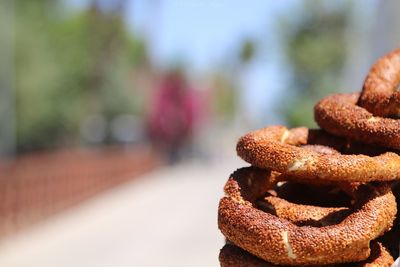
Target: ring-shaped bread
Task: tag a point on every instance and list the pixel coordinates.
(279, 149)
(233, 256)
(380, 94)
(279, 241)
(339, 115)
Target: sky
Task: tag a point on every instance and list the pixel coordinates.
(204, 34)
(202, 30)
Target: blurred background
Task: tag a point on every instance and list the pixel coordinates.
(119, 118)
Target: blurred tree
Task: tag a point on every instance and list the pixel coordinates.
(315, 50)
(70, 65)
(7, 91)
(247, 51)
(246, 54)
(224, 98)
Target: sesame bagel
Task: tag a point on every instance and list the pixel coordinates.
(279, 149)
(380, 94)
(279, 241)
(233, 256)
(300, 214)
(339, 115)
(309, 204)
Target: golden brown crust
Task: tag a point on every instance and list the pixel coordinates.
(279, 241)
(278, 148)
(379, 94)
(300, 214)
(309, 204)
(322, 149)
(233, 256)
(339, 115)
(391, 239)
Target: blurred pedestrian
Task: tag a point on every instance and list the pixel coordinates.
(173, 116)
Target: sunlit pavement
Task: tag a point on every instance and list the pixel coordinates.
(166, 218)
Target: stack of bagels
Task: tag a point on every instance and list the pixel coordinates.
(324, 197)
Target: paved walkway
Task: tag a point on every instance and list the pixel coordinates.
(167, 218)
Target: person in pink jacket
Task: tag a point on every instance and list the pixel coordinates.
(173, 116)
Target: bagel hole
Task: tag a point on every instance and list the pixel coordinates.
(394, 116)
(316, 195)
(350, 149)
(321, 142)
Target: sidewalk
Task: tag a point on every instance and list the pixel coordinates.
(165, 218)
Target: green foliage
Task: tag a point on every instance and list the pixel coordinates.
(247, 51)
(70, 65)
(315, 49)
(225, 97)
